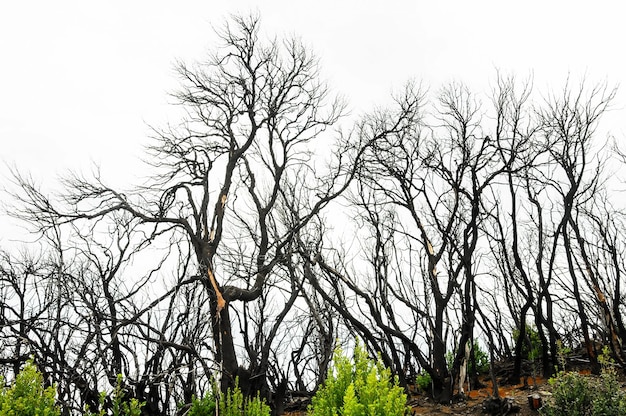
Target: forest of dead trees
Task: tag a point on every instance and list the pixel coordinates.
(274, 227)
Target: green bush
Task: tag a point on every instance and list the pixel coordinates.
(423, 381)
(120, 406)
(482, 361)
(230, 404)
(27, 395)
(233, 404)
(365, 388)
(202, 407)
(534, 351)
(574, 394)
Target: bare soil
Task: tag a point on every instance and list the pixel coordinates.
(472, 405)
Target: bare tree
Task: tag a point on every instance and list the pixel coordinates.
(515, 134)
(568, 123)
(421, 192)
(467, 218)
(256, 110)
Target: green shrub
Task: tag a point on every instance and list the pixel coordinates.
(365, 388)
(230, 404)
(482, 360)
(571, 394)
(574, 394)
(27, 395)
(533, 351)
(423, 381)
(120, 406)
(233, 404)
(202, 407)
(255, 407)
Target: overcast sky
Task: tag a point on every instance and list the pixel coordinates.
(80, 81)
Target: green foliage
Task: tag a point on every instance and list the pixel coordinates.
(561, 355)
(572, 394)
(102, 399)
(233, 404)
(120, 406)
(533, 351)
(423, 381)
(204, 406)
(577, 395)
(27, 395)
(257, 407)
(230, 404)
(362, 388)
(482, 360)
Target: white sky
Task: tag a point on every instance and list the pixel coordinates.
(80, 80)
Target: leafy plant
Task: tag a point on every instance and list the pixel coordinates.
(575, 394)
(230, 404)
(120, 406)
(233, 404)
(423, 381)
(256, 407)
(572, 395)
(482, 360)
(203, 406)
(101, 402)
(362, 388)
(532, 351)
(27, 396)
